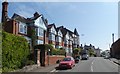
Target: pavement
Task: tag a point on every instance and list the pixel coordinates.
(35, 67)
(115, 60)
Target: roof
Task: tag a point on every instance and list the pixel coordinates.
(18, 17)
(65, 30)
(75, 32)
(29, 20)
(51, 25)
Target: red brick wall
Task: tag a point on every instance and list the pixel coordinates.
(116, 48)
(8, 26)
(40, 38)
(52, 42)
(59, 43)
(53, 59)
(12, 27)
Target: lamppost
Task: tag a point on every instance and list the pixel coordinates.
(48, 56)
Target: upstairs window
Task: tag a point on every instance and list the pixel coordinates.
(51, 37)
(58, 39)
(23, 28)
(40, 42)
(40, 32)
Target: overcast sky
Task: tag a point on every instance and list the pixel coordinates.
(95, 21)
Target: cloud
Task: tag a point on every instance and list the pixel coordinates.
(24, 10)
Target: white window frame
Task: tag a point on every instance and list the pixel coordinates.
(24, 28)
(40, 32)
(39, 42)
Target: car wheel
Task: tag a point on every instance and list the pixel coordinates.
(70, 67)
(74, 65)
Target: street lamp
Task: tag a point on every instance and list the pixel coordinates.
(48, 55)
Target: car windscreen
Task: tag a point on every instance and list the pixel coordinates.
(66, 59)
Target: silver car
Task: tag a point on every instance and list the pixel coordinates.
(85, 57)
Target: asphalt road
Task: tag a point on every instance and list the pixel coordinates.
(94, 64)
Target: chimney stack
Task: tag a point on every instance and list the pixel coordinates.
(46, 21)
(4, 11)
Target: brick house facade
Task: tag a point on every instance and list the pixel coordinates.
(115, 49)
(37, 31)
(51, 33)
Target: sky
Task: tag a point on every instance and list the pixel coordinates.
(94, 21)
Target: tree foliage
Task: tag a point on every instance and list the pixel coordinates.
(60, 51)
(91, 52)
(15, 51)
(76, 51)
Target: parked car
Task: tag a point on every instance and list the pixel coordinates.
(67, 62)
(85, 57)
(106, 57)
(77, 60)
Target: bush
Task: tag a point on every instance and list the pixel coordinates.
(14, 51)
(76, 51)
(58, 52)
(30, 62)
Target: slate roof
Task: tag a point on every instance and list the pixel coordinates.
(18, 17)
(29, 20)
(65, 30)
(75, 32)
(50, 26)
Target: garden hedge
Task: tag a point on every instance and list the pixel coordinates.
(15, 51)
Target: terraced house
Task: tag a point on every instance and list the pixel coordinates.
(39, 26)
(52, 32)
(16, 25)
(70, 39)
(25, 27)
(37, 31)
(59, 39)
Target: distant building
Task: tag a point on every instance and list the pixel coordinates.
(97, 52)
(87, 47)
(70, 39)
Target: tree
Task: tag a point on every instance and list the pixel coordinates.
(91, 52)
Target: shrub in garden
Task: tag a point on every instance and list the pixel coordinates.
(15, 51)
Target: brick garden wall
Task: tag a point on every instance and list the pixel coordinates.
(53, 59)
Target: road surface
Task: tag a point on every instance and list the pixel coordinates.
(94, 64)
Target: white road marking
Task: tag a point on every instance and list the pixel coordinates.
(54, 70)
(92, 66)
(92, 63)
